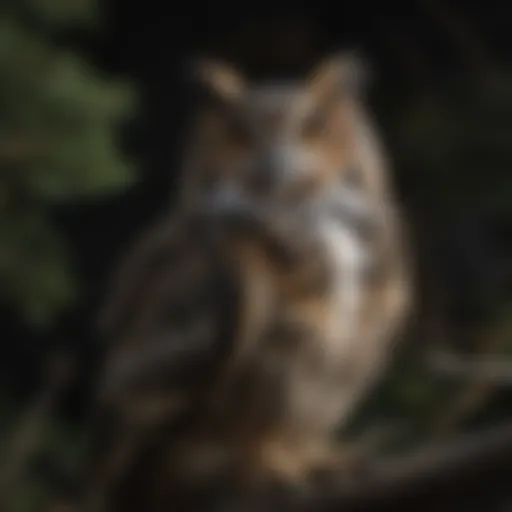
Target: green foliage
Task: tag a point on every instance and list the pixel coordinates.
(54, 13)
(34, 497)
(64, 12)
(62, 443)
(58, 121)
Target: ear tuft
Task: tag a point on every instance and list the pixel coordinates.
(347, 72)
(217, 77)
(359, 72)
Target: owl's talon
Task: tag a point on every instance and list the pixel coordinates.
(347, 462)
(273, 464)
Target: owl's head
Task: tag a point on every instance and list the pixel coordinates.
(277, 140)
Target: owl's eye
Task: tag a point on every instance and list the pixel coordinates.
(237, 130)
(314, 125)
(226, 128)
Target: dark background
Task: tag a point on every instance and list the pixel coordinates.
(418, 50)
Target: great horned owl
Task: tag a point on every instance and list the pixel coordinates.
(262, 313)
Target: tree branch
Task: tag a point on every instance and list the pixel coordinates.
(432, 476)
(492, 369)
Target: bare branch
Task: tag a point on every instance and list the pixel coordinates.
(493, 369)
(438, 468)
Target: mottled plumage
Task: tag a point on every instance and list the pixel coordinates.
(246, 329)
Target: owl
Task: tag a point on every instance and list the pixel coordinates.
(248, 326)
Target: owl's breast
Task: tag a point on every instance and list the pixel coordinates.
(348, 258)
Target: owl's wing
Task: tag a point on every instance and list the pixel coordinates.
(170, 324)
(170, 315)
(152, 254)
